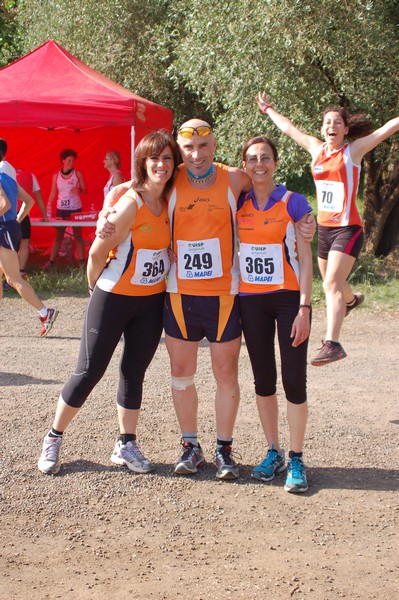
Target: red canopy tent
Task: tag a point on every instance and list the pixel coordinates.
(50, 100)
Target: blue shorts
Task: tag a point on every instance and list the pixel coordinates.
(348, 239)
(10, 235)
(192, 318)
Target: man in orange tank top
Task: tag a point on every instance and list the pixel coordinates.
(202, 287)
(201, 299)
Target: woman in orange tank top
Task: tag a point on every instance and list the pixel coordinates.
(126, 277)
(335, 168)
(275, 291)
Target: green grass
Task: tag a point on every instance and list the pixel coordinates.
(377, 278)
(64, 280)
(379, 283)
(378, 296)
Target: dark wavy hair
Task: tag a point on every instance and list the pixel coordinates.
(68, 152)
(3, 148)
(359, 125)
(260, 139)
(152, 145)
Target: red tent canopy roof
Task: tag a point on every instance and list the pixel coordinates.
(49, 87)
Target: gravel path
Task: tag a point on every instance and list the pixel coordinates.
(99, 532)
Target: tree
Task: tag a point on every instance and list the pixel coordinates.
(129, 41)
(306, 55)
(210, 60)
(8, 32)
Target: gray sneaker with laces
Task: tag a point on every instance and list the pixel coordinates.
(226, 466)
(49, 461)
(328, 353)
(130, 455)
(191, 458)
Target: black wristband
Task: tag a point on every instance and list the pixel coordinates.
(309, 306)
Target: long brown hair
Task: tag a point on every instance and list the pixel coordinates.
(358, 125)
(152, 145)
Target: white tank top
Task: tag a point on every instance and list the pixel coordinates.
(68, 194)
(108, 185)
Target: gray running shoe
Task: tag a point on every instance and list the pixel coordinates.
(192, 457)
(48, 321)
(49, 461)
(328, 353)
(227, 468)
(273, 463)
(130, 455)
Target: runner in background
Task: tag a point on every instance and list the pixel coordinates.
(336, 165)
(10, 237)
(112, 162)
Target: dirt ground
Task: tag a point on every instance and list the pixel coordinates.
(99, 532)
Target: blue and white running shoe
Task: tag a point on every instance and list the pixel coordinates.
(274, 463)
(296, 481)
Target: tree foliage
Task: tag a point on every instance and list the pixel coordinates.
(9, 39)
(306, 55)
(209, 60)
(126, 40)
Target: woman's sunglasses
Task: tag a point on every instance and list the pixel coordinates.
(188, 132)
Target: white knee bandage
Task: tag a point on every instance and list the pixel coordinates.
(182, 383)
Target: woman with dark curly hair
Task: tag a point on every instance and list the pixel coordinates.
(336, 165)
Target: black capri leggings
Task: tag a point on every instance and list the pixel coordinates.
(109, 315)
(259, 314)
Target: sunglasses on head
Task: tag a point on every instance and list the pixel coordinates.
(188, 132)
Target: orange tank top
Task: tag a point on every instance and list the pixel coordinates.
(138, 266)
(337, 181)
(203, 224)
(268, 256)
